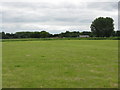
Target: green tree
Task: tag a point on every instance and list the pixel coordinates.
(5, 36)
(102, 27)
(44, 34)
(118, 33)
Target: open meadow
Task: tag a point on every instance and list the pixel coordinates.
(60, 64)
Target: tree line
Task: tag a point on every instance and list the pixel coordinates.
(44, 34)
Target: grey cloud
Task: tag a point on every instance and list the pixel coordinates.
(65, 5)
(51, 15)
(105, 6)
(42, 5)
(26, 5)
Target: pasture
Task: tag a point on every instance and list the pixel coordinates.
(60, 64)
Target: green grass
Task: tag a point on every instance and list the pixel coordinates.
(60, 64)
(46, 39)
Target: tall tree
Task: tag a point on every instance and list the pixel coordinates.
(102, 27)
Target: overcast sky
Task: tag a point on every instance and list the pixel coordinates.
(55, 16)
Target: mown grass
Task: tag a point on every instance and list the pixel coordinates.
(43, 39)
(60, 64)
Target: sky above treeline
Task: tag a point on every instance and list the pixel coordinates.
(54, 16)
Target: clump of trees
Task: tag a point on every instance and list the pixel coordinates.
(102, 27)
(68, 34)
(42, 34)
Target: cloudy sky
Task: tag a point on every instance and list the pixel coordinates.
(54, 16)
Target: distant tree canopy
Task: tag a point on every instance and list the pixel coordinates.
(102, 27)
(70, 34)
(44, 34)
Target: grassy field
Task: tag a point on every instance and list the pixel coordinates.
(60, 64)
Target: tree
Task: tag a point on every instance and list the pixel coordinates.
(35, 35)
(69, 34)
(85, 33)
(3, 35)
(118, 33)
(102, 27)
(22, 34)
(44, 34)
